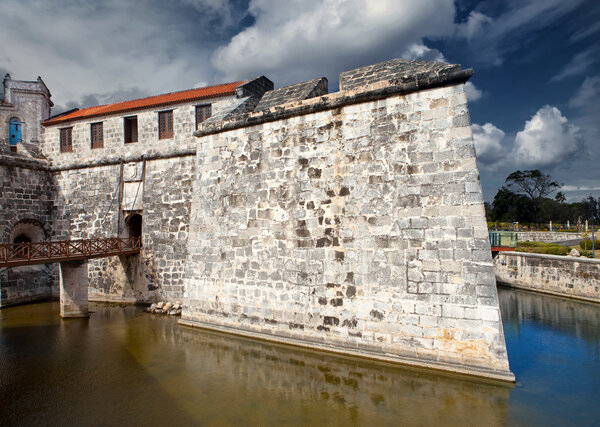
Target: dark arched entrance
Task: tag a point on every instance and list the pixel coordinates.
(22, 238)
(134, 226)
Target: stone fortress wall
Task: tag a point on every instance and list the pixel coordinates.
(350, 221)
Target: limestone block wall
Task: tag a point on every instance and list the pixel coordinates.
(167, 205)
(25, 195)
(357, 229)
(184, 123)
(89, 205)
(559, 275)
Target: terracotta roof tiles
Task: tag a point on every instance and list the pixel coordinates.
(152, 101)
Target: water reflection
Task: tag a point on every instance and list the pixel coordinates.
(553, 348)
(125, 366)
(578, 318)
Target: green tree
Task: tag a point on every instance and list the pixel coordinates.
(534, 184)
(509, 206)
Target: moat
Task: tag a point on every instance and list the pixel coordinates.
(125, 366)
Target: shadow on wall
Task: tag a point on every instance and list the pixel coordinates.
(122, 278)
(32, 282)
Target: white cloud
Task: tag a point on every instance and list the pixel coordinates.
(473, 94)
(587, 93)
(297, 40)
(474, 25)
(488, 143)
(422, 52)
(579, 64)
(222, 10)
(585, 32)
(87, 48)
(547, 139)
(579, 188)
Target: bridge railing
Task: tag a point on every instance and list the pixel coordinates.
(504, 239)
(12, 254)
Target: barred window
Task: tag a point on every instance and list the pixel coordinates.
(130, 126)
(66, 140)
(97, 135)
(165, 124)
(203, 112)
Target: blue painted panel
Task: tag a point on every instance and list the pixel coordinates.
(15, 131)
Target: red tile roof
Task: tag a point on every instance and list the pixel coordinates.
(152, 101)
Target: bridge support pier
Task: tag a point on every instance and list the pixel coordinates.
(74, 289)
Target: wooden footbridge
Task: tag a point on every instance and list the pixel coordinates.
(28, 253)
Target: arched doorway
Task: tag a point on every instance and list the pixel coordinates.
(134, 226)
(27, 230)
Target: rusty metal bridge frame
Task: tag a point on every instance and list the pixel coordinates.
(28, 253)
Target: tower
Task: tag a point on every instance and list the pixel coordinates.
(25, 105)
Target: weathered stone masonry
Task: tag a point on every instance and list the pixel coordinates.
(97, 193)
(351, 222)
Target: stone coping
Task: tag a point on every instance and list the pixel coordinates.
(378, 90)
(554, 257)
(24, 162)
(109, 161)
(470, 371)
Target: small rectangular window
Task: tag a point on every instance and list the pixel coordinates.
(165, 124)
(66, 140)
(130, 124)
(97, 135)
(203, 112)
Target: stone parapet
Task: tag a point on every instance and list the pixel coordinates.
(297, 92)
(380, 89)
(396, 72)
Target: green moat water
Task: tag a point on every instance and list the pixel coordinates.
(124, 366)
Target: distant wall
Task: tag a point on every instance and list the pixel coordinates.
(560, 275)
(547, 236)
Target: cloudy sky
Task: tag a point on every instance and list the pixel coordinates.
(534, 98)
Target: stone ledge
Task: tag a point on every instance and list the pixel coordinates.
(554, 257)
(110, 161)
(24, 162)
(481, 373)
